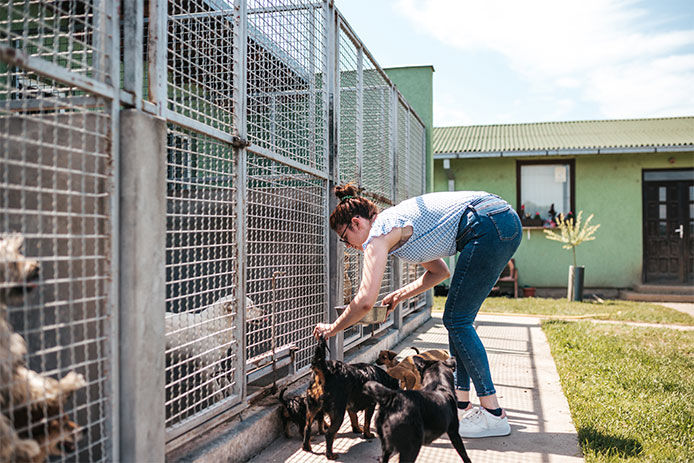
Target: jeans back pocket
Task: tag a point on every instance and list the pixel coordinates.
(506, 222)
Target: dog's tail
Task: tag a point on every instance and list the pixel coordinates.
(415, 349)
(281, 396)
(379, 392)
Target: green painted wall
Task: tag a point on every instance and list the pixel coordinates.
(416, 85)
(608, 186)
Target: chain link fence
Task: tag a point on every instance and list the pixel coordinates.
(266, 105)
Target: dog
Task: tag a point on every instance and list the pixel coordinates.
(406, 420)
(335, 387)
(204, 341)
(405, 371)
(293, 410)
(28, 399)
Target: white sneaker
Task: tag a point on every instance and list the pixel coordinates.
(463, 413)
(480, 423)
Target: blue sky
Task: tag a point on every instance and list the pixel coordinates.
(511, 61)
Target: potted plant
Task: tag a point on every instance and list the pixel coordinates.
(529, 220)
(528, 291)
(572, 233)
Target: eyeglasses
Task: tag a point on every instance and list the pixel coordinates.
(342, 235)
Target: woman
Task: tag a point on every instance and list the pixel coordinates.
(425, 229)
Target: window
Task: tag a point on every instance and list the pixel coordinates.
(545, 190)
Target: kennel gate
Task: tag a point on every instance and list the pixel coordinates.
(266, 104)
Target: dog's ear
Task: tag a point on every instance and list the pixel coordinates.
(450, 363)
(14, 241)
(391, 354)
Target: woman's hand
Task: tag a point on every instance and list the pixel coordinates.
(393, 299)
(324, 330)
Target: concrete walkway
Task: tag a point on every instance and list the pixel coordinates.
(528, 388)
(686, 307)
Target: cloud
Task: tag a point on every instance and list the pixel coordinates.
(659, 87)
(616, 53)
(448, 110)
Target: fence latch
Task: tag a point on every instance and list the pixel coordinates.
(238, 142)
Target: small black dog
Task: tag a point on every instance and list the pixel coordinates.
(337, 386)
(408, 419)
(294, 411)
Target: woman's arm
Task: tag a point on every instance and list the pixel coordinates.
(436, 272)
(375, 259)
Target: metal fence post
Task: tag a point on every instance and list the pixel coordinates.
(397, 264)
(335, 250)
(156, 49)
(240, 131)
(114, 205)
(142, 286)
(133, 48)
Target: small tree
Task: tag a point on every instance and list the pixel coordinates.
(572, 232)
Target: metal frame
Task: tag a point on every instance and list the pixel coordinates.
(309, 63)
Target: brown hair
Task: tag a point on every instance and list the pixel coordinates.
(351, 205)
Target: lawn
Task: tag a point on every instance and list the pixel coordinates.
(630, 389)
(561, 308)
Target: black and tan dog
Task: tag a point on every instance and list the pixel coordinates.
(294, 411)
(406, 420)
(337, 386)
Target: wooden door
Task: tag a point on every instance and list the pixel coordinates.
(668, 199)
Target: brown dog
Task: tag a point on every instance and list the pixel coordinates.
(405, 371)
(29, 401)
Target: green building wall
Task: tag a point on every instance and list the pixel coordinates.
(416, 85)
(608, 186)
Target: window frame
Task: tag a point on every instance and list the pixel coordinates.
(572, 183)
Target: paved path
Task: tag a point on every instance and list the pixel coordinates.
(528, 387)
(686, 307)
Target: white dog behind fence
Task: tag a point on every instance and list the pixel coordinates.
(207, 339)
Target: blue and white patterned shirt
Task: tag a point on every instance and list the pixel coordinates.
(434, 218)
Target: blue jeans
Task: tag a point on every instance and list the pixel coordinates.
(488, 234)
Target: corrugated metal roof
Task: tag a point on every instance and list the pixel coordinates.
(565, 136)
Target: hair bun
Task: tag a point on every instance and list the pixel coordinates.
(349, 189)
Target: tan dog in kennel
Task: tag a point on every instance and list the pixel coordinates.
(27, 398)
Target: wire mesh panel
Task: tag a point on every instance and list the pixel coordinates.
(286, 104)
(348, 79)
(351, 279)
(286, 277)
(415, 171)
(66, 33)
(377, 164)
(200, 61)
(203, 341)
(408, 273)
(55, 253)
(403, 153)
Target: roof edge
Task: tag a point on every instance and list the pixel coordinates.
(508, 124)
(565, 152)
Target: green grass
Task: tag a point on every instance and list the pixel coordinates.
(609, 310)
(630, 389)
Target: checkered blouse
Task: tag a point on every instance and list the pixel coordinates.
(434, 218)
